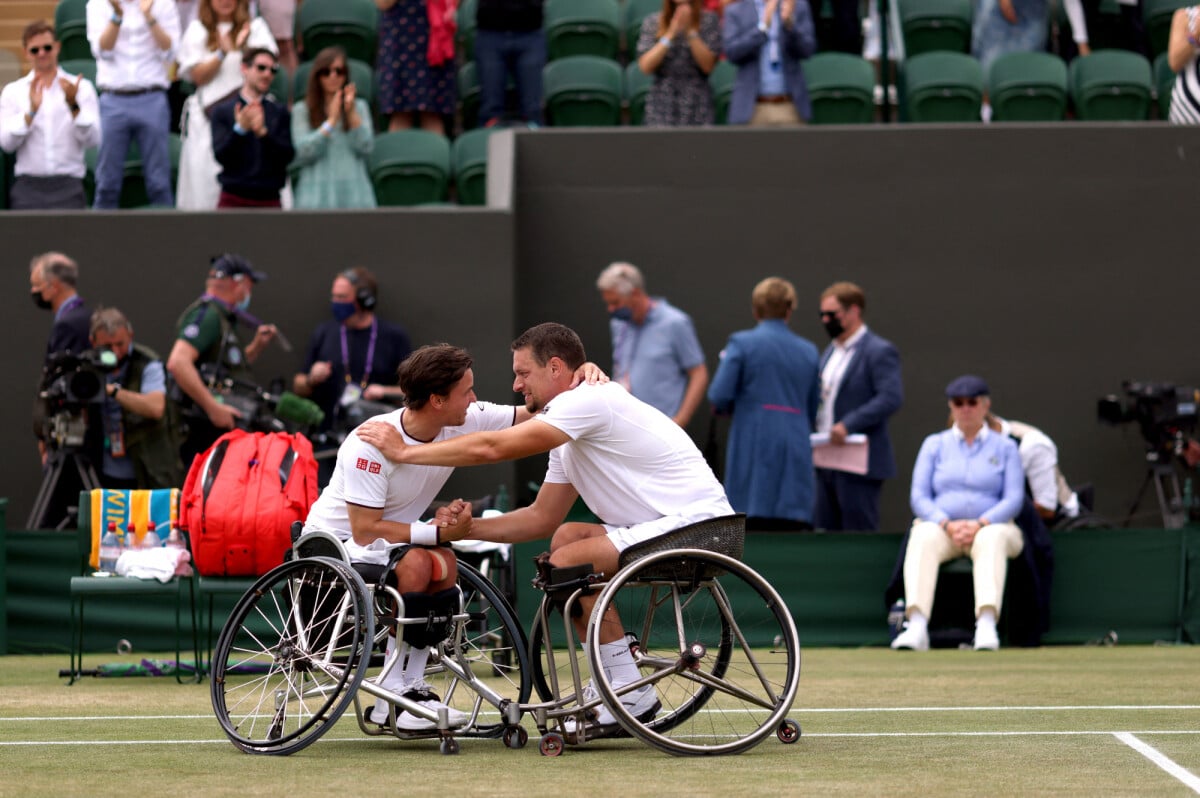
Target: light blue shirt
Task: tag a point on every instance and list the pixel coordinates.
(770, 57)
(153, 379)
(953, 479)
(652, 359)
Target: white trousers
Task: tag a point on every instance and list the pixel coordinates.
(929, 546)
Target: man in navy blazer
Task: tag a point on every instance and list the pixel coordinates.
(766, 40)
(860, 389)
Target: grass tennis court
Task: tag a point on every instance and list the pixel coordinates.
(1068, 721)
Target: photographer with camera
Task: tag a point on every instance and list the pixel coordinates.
(140, 450)
(208, 349)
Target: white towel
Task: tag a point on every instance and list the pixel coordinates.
(162, 564)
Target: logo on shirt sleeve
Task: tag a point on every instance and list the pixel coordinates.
(370, 466)
(374, 467)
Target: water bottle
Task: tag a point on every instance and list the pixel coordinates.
(150, 540)
(895, 618)
(503, 504)
(174, 539)
(110, 549)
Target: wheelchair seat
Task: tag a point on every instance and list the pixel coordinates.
(724, 534)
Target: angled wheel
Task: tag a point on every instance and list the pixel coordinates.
(492, 648)
(291, 656)
(716, 641)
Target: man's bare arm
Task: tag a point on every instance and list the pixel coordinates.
(477, 448)
(537, 521)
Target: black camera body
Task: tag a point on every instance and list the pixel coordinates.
(71, 382)
(1166, 414)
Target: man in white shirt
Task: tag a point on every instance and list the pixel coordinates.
(1052, 496)
(48, 119)
(635, 468)
(133, 42)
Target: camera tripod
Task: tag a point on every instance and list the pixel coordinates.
(1165, 479)
(56, 463)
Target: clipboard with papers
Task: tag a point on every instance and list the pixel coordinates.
(851, 456)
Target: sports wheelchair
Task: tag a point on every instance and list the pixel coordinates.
(295, 652)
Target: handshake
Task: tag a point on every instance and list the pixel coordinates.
(453, 520)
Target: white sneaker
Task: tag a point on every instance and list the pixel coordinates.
(425, 697)
(986, 638)
(912, 640)
(643, 704)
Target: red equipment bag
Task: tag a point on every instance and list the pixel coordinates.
(241, 497)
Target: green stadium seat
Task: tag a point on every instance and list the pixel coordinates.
(468, 95)
(582, 90)
(942, 87)
(469, 155)
(80, 66)
(721, 81)
(841, 87)
(634, 12)
(410, 167)
(361, 75)
(464, 37)
(1157, 15)
(634, 89)
(353, 25)
(582, 27)
(1028, 87)
(932, 25)
(1164, 85)
(70, 27)
(1111, 85)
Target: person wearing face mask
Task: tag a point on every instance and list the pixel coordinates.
(860, 389)
(208, 348)
(656, 354)
(140, 450)
(353, 356)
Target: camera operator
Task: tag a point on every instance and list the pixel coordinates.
(139, 448)
(208, 348)
(52, 280)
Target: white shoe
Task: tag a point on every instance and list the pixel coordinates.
(912, 640)
(986, 638)
(642, 704)
(425, 697)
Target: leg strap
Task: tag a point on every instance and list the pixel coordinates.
(436, 610)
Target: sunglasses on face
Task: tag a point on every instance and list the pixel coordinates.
(829, 314)
(45, 48)
(334, 70)
(272, 68)
(960, 401)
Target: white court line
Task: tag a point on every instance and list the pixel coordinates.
(1161, 760)
(796, 710)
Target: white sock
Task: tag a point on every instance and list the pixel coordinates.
(918, 622)
(618, 663)
(394, 680)
(986, 619)
(414, 667)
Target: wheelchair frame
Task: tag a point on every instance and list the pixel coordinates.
(725, 677)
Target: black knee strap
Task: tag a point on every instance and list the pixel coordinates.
(436, 609)
(565, 581)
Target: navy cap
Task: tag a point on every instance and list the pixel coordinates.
(230, 265)
(967, 386)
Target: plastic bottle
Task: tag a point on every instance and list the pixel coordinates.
(174, 539)
(503, 504)
(150, 540)
(110, 549)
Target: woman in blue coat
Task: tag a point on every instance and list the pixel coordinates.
(769, 381)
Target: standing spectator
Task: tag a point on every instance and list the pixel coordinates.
(1183, 54)
(967, 487)
(1000, 27)
(280, 16)
(768, 380)
(679, 47)
(133, 42)
(860, 389)
(656, 354)
(353, 356)
(766, 40)
(140, 450)
(252, 138)
(509, 42)
(416, 62)
(210, 56)
(48, 118)
(331, 130)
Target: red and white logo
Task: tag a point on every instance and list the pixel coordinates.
(374, 468)
(361, 465)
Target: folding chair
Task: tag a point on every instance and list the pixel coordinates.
(126, 510)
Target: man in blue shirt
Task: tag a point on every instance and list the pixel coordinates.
(656, 354)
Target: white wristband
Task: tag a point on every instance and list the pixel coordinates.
(423, 534)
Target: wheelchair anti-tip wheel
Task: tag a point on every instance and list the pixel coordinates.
(716, 641)
(291, 656)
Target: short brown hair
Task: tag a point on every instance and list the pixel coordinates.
(773, 298)
(36, 28)
(552, 340)
(847, 294)
(432, 371)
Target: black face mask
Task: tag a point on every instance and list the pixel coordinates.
(833, 326)
(41, 301)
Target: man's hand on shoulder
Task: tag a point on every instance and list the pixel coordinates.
(590, 373)
(384, 437)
